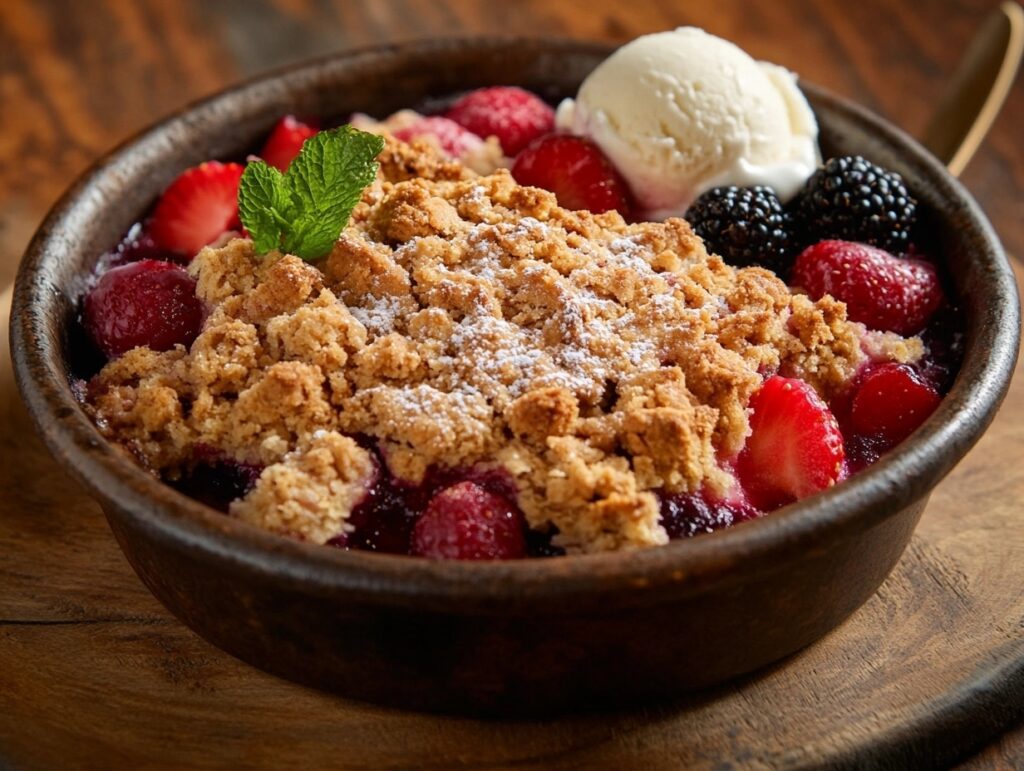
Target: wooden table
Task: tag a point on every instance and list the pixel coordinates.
(76, 78)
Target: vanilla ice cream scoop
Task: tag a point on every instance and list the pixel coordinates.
(681, 112)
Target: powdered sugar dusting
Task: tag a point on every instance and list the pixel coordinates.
(598, 363)
(378, 314)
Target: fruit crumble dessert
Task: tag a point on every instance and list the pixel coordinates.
(491, 333)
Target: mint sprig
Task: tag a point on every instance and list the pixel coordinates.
(304, 210)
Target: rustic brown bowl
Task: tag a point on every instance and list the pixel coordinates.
(521, 636)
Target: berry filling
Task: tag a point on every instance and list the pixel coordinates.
(217, 480)
(685, 516)
(844, 239)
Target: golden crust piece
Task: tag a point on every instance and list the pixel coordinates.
(311, 492)
(466, 320)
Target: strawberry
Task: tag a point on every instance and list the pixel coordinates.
(197, 208)
(467, 522)
(576, 171)
(516, 117)
(881, 291)
(891, 402)
(453, 139)
(285, 141)
(149, 302)
(794, 449)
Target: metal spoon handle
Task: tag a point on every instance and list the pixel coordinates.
(978, 88)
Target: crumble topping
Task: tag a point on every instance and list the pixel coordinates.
(464, 320)
(312, 490)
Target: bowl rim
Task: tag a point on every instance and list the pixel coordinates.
(626, 577)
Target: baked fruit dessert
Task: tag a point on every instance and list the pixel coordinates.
(483, 333)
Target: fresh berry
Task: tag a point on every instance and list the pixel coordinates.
(217, 480)
(197, 208)
(862, 451)
(684, 516)
(891, 402)
(453, 139)
(148, 302)
(467, 522)
(383, 520)
(285, 141)
(138, 244)
(516, 117)
(944, 348)
(745, 226)
(794, 449)
(576, 171)
(540, 544)
(853, 199)
(882, 292)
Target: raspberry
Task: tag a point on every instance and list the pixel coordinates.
(855, 200)
(516, 117)
(576, 171)
(453, 139)
(881, 291)
(744, 225)
(467, 522)
(148, 302)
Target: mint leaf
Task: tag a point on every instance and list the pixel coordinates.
(327, 181)
(264, 205)
(304, 210)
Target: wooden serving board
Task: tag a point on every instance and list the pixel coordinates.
(95, 673)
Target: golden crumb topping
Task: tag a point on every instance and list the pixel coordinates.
(464, 320)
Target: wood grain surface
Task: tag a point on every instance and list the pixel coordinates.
(94, 673)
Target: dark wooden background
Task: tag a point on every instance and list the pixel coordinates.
(79, 76)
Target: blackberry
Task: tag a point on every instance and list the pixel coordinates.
(852, 199)
(745, 226)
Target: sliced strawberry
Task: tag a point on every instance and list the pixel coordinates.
(794, 449)
(285, 141)
(197, 208)
(576, 171)
(453, 139)
(467, 522)
(891, 403)
(515, 116)
(881, 291)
